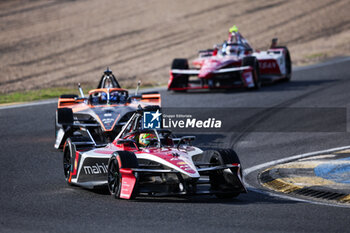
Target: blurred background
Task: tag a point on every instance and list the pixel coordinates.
(59, 43)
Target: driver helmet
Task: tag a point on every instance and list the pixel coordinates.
(145, 138)
(233, 34)
(103, 97)
(114, 96)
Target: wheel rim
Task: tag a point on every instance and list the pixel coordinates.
(113, 177)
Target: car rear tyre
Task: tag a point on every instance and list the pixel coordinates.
(65, 116)
(181, 80)
(288, 62)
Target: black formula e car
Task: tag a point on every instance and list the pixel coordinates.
(99, 117)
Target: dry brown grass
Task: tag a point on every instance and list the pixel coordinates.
(60, 43)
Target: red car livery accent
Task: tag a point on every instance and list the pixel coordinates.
(128, 183)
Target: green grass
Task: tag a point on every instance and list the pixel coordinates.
(47, 93)
(316, 55)
(26, 96)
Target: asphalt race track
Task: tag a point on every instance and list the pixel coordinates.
(35, 197)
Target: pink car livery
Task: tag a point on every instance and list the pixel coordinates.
(231, 64)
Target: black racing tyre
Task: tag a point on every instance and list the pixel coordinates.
(69, 96)
(253, 62)
(288, 63)
(152, 108)
(180, 80)
(68, 159)
(114, 177)
(180, 63)
(229, 183)
(120, 159)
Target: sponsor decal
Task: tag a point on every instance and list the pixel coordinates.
(108, 121)
(181, 163)
(95, 169)
(267, 65)
(107, 116)
(248, 78)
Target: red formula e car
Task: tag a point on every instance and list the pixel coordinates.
(142, 161)
(99, 117)
(232, 64)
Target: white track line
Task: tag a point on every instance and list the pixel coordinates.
(271, 163)
(29, 104)
(247, 171)
(327, 63)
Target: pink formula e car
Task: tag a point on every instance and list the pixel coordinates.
(153, 162)
(232, 64)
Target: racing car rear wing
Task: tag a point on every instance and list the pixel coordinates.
(196, 72)
(149, 97)
(152, 98)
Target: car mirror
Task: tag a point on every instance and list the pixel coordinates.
(186, 140)
(127, 142)
(153, 142)
(135, 96)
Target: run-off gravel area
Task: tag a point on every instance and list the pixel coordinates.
(60, 43)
